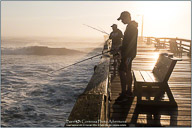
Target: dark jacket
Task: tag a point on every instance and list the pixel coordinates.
(129, 44)
(116, 37)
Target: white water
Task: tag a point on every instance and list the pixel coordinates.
(31, 98)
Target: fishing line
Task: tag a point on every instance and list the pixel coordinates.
(96, 29)
(84, 59)
(78, 62)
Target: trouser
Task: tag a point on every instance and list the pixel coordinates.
(125, 75)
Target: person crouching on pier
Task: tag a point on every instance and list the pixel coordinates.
(116, 36)
(128, 53)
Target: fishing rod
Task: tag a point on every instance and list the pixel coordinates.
(79, 62)
(96, 29)
(102, 30)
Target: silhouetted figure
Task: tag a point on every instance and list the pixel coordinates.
(128, 53)
(116, 36)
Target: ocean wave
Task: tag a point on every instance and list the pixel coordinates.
(32, 98)
(39, 50)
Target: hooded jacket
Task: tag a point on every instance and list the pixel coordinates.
(129, 44)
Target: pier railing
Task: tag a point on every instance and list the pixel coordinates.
(175, 45)
(91, 107)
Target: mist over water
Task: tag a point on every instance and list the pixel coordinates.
(39, 50)
(76, 44)
(32, 98)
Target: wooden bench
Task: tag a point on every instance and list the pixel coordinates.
(149, 87)
(174, 48)
(159, 44)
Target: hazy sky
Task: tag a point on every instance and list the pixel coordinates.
(66, 18)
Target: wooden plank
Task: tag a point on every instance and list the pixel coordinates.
(153, 77)
(125, 114)
(152, 110)
(146, 77)
(162, 67)
(179, 83)
(179, 103)
(162, 117)
(144, 122)
(118, 108)
(138, 76)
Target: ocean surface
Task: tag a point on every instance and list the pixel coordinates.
(30, 95)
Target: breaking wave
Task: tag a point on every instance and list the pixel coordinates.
(39, 50)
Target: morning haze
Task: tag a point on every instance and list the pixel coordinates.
(66, 18)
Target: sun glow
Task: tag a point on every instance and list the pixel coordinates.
(156, 56)
(158, 10)
(65, 18)
(161, 18)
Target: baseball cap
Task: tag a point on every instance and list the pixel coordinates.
(114, 25)
(124, 14)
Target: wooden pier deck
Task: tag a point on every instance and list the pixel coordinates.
(180, 85)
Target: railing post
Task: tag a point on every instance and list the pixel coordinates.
(164, 43)
(148, 40)
(190, 49)
(180, 43)
(180, 48)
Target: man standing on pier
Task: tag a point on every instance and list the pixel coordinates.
(116, 36)
(128, 53)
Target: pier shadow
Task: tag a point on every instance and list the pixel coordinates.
(154, 116)
(120, 115)
(126, 107)
(120, 110)
(132, 115)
